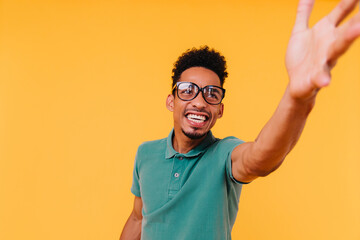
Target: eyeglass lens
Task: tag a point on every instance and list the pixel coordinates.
(188, 91)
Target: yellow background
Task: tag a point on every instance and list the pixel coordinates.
(83, 83)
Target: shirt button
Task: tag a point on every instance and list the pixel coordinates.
(176, 175)
(181, 158)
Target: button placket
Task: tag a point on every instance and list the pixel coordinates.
(175, 181)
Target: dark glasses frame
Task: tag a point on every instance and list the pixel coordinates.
(199, 90)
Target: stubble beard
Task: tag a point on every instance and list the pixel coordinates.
(194, 136)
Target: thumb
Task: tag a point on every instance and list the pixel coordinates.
(322, 79)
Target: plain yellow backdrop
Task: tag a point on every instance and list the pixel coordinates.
(83, 83)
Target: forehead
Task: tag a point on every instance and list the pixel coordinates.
(200, 76)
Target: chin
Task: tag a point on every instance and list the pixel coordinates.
(194, 134)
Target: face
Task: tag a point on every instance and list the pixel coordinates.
(196, 117)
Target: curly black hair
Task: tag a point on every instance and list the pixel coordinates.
(202, 57)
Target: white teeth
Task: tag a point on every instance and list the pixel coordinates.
(196, 118)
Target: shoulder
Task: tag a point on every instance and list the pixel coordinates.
(152, 146)
(149, 151)
(231, 140)
(228, 144)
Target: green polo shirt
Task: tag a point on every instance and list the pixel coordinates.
(187, 196)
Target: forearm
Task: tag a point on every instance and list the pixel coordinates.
(310, 56)
(280, 133)
(132, 229)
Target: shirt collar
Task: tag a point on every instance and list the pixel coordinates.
(170, 151)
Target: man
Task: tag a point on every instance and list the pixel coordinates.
(187, 186)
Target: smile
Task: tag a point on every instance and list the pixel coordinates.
(196, 118)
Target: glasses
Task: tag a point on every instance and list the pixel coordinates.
(187, 91)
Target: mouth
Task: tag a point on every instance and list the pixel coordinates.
(196, 118)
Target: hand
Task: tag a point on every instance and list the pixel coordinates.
(313, 52)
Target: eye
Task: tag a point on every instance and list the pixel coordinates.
(187, 90)
(213, 93)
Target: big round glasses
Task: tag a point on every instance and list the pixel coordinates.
(187, 91)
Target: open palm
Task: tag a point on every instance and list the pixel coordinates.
(313, 52)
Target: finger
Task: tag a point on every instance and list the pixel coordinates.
(346, 35)
(341, 11)
(303, 15)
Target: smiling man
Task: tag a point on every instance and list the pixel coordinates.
(187, 186)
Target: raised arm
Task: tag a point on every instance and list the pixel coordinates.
(311, 54)
(132, 228)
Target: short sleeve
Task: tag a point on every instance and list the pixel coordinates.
(135, 188)
(232, 143)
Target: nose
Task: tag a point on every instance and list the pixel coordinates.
(199, 101)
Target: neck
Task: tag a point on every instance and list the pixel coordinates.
(184, 144)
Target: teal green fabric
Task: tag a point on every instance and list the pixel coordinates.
(187, 196)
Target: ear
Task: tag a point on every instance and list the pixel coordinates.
(221, 110)
(170, 102)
